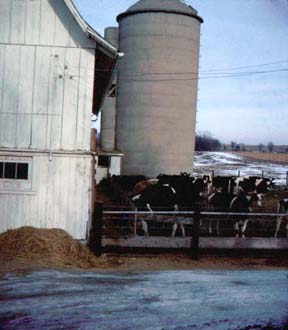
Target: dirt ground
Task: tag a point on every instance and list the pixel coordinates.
(266, 156)
(151, 262)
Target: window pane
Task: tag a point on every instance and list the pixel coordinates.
(104, 161)
(22, 171)
(10, 170)
(1, 170)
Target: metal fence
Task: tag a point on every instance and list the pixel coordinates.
(126, 223)
(262, 174)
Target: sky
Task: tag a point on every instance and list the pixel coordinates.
(244, 47)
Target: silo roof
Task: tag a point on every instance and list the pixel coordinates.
(166, 6)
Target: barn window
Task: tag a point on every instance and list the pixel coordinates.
(13, 170)
(104, 161)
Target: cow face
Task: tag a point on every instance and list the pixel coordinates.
(255, 198)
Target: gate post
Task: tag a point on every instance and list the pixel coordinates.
(194, 249)
(95, 239)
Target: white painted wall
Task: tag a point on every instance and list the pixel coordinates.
(57, 194)
(46, 77)
(102, 172)
(115, 165)
(46, 96)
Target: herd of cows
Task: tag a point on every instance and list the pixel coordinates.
(216, 194)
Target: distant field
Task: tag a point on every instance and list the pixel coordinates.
(266, 156)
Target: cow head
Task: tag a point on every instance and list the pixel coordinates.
(255, 198)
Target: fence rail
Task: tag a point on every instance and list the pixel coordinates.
(262, 174)
(124, 223)
(108, 212)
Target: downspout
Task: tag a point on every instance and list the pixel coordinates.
(114, 72)
(54, 101)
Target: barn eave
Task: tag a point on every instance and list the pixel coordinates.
(107, 48)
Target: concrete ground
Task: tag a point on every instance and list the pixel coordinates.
(170, 300)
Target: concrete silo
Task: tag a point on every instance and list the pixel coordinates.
(108, 111)
(157, 87)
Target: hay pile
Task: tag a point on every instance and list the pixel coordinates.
(45, 248)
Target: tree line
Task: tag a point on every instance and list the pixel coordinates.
(206, 142)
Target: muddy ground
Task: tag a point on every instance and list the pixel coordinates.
(153, 262)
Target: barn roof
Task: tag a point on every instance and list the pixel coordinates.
(89, 31)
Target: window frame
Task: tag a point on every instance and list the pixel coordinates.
(14, 185)
(4, 175)
(100, 159)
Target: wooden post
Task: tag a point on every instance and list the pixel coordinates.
(195, 235)
(95, 239)
(135, 222)
(239, 174)
(287, 179)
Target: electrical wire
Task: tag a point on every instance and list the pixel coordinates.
(211, 77)
(212, 71)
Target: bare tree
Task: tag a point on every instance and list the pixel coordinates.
(233, 145)
(261, 147)
(270, 146)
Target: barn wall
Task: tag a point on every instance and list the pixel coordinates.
(57, 193)
(40, 22)
(46, 78)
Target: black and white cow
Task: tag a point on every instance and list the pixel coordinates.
(253, 184)
(227, 202)
(282, 209)
(224, 184)
(153, 198)
(171, 193)
(142, 185)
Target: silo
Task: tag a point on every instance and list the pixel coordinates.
(108, 111)
(157, 87)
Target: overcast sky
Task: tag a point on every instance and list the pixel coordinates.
(237, 36)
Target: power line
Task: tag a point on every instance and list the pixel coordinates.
(196, 78)
(212, 71)
(247, 66)
(213, 77)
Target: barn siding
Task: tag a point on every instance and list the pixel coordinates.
(59, 198)
(44, 22)
(46, 97)
(46, 77)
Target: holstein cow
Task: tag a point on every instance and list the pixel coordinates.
(142, 185)
(155, 198)
(253, 184)
(189, 191)
(227, 202)
(224, 184)
(282, 209)
(171, 193)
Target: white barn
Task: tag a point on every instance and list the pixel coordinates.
(48, 62)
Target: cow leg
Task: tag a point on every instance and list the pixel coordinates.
(243, 227)
(236, 228)
(142, 224)
(144, 228)
(210, 227)
(174, 229)
(182, 230)
(218, 227)
(278, 225)
(286, 230)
